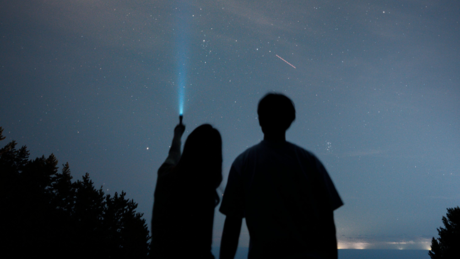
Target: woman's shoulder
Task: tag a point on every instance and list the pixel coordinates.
(166, 169)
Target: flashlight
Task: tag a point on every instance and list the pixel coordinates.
(180, 119)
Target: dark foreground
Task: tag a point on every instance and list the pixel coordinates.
(355, 254)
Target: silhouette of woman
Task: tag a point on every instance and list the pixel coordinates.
(185, 196)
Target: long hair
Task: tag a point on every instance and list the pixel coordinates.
(200, 166)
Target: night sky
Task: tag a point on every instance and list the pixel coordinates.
(375, 84)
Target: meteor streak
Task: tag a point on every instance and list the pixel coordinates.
(286, 61)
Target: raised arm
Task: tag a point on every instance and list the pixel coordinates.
(174, 151)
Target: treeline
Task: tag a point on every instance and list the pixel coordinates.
(447, 245)
(44, 214)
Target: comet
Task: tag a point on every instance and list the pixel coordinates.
(286, 61)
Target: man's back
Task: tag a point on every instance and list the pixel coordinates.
(284, 192)
(287, 198)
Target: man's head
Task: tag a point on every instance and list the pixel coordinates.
(276, 113)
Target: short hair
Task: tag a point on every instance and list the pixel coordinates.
(276, 111)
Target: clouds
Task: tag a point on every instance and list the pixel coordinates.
(137, 24)
(364, 153)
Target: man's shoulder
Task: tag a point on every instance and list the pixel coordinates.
(300, 150)
(248, 152)
(264, 147)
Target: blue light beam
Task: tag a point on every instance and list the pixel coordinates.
(181, 86)
(182, 43)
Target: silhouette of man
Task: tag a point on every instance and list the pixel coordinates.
(283, 191)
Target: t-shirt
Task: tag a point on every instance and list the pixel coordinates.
(287, 198)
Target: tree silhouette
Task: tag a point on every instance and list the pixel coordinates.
(45, 214)
(447, 246)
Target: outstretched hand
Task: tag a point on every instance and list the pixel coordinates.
(179, 130)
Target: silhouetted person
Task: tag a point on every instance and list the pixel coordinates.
(283, 191)
(185, 195)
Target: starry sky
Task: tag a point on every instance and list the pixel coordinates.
(375, 84)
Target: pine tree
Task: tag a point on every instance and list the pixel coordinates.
(45, 214)
(447, 246)
(1, 134)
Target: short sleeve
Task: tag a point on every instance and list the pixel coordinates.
(233, 199)
(334, 196)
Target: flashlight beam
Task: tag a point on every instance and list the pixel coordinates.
(286, 61)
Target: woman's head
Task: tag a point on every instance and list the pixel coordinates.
(201, 161)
